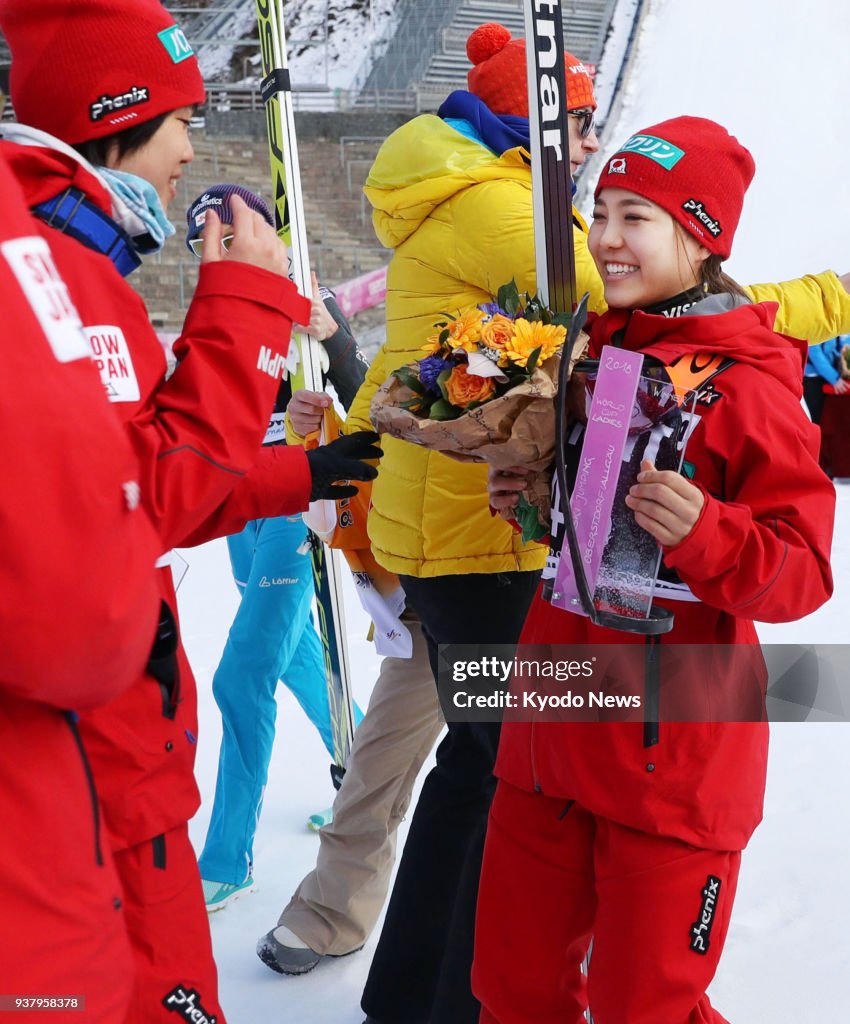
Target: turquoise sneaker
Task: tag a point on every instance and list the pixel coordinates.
(317, 821)
(219, 894)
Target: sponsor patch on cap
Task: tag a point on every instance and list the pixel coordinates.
(176, 43)
(665, 154)
(698, 212)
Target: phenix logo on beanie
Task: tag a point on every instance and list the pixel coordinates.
(692, 168)
(500, 78)
(82, 69)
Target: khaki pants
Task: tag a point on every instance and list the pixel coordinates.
(336, 906)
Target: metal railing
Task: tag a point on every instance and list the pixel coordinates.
(225, 97)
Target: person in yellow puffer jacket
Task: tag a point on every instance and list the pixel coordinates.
(452, 197)
(459, 220)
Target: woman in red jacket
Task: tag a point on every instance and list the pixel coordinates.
(614, 832)
(105, 93)
(78, 606)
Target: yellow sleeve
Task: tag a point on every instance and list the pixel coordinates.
(358, 413)
(815, 307)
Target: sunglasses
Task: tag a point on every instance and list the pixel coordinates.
(585, 116)
(197, 245)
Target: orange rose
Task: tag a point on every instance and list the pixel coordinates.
(497, 332)
(463, 388)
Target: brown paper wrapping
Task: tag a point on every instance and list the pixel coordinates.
(516, 429)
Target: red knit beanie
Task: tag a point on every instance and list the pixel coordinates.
(500, 77)
(692, 168)
(82, 69)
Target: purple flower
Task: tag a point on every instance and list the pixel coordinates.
(492, 308)
(430, 369)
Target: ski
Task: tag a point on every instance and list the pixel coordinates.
(552, 203)
(551, 180)
(276, 92)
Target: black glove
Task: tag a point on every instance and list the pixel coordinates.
(342, 460)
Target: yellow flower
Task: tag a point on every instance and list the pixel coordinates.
(463, 387)
(463, 333)
(529, 336)
(498, 332)
(432, 346)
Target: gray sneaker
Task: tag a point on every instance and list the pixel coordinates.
(286, 959)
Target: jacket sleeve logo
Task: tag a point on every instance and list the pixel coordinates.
(31, 261)
(111, 355)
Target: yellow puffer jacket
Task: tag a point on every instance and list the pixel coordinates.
(460, 221)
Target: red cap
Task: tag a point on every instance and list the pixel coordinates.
(500, 77)
(692, 168)
(82, 69)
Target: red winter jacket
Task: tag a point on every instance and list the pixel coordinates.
(197, 436)
(760, 550)
(78, 607)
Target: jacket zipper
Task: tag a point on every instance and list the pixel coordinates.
(71, 719)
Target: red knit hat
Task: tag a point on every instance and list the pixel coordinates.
(500, 77)
(692, 168)
(82, 69)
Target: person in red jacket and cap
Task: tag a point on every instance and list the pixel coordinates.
(105, 94)
(630, 833)
(78, 610)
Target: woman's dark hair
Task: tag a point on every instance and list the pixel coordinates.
(128, 140)
(711, 276)
(717, 282)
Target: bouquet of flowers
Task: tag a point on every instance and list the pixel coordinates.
(484, 391)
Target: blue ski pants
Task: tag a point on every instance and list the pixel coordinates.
(272, 638)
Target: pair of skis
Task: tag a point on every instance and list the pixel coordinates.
(289, 217)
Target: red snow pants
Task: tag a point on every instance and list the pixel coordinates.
(555, 876)
(169, 932)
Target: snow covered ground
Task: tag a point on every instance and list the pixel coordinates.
(776, 73)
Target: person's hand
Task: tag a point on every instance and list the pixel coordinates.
(343, 459)
(306, 410)
(322, 325)
(254, 242)
(504, 486)
(842, 386)
(665, 504)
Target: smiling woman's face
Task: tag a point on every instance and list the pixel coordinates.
(642, 255)
(160, 160)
